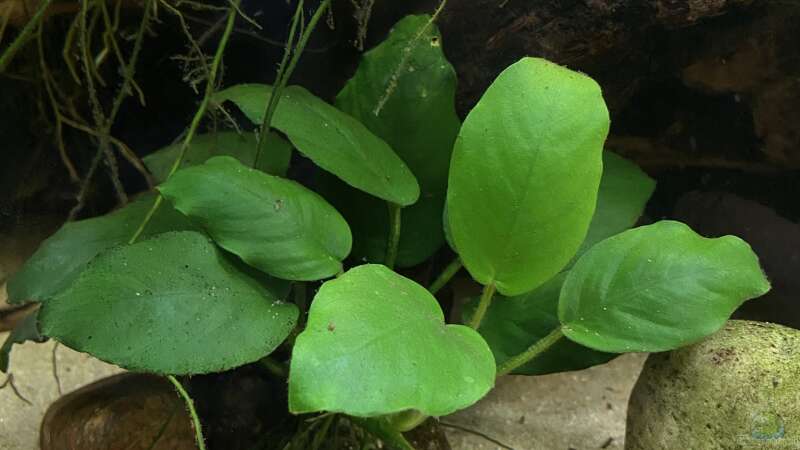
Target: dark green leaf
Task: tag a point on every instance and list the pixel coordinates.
(376, 343)
(624, 191)
(334, 140)
(274, 161)
(657, 288)
(172, 304)
(413, 111)
(274, 224)
(513, 324)
(60, 258)
(26, 330)
(524, 174)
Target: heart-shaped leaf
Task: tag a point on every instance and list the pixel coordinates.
(524, 174)
(376, 343)
(657, 288)
(274, 224)
(513, 324)
(275, 160)
(332, 139)
(624, 191)
(62, 256)
(413, 110)
(172, 304)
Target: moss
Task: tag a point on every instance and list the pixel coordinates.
(738, 389)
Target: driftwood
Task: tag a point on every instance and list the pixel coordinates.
(712, 80)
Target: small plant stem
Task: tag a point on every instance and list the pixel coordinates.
(382, 429)
(274, 367)
(280, 81)
(23, 36)
(320, 436)
(284, 78)
(211, 83)
(395, 223)
(407, 420)
(198, 431)
(447, 274)
(483, 306)
(531, 353)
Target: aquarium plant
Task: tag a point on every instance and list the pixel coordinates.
(232, 261)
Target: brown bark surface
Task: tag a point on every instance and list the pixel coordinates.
(710, 83)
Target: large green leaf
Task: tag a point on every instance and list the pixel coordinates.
(334, 140)
(656, 288)
(511, 325)
(376, 343)
(172, 304)
(274, 161)
(274, 224)
(524, 174)
(62, 256)
(413, 111)
(624, 191)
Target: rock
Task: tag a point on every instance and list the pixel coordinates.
(582, 410)
(737, 389)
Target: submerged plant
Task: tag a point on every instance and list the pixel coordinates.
(214, 275)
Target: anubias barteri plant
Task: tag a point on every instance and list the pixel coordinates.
(523, 191)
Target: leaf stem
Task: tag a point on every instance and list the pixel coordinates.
(283, 75)
(395, 223)
(211, 83)
(483, 306)
(274, 367)
(23, 36)
(280, 80)
(319, 438)
(447, 274)
(407, 420)
(198, 431)
(531, 353)
(380, 428)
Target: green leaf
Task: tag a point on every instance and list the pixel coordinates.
(524, 174)
(61, 257)
(376, 343)
(624, 191)
(332, 139)
(657, 288)
(511, 325)
(275, 160)
(173, 304)
(26, 330)
(274, 224)
(417, 118)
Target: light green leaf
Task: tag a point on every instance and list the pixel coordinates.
(332, 139)
(657, 288)
(26, 330)
(524, 174)
(274, 224)
(274, 161)
(414, 112)
(61, 257)
(511, 325)
(173, 304)
(376, 343)
(624, 191)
